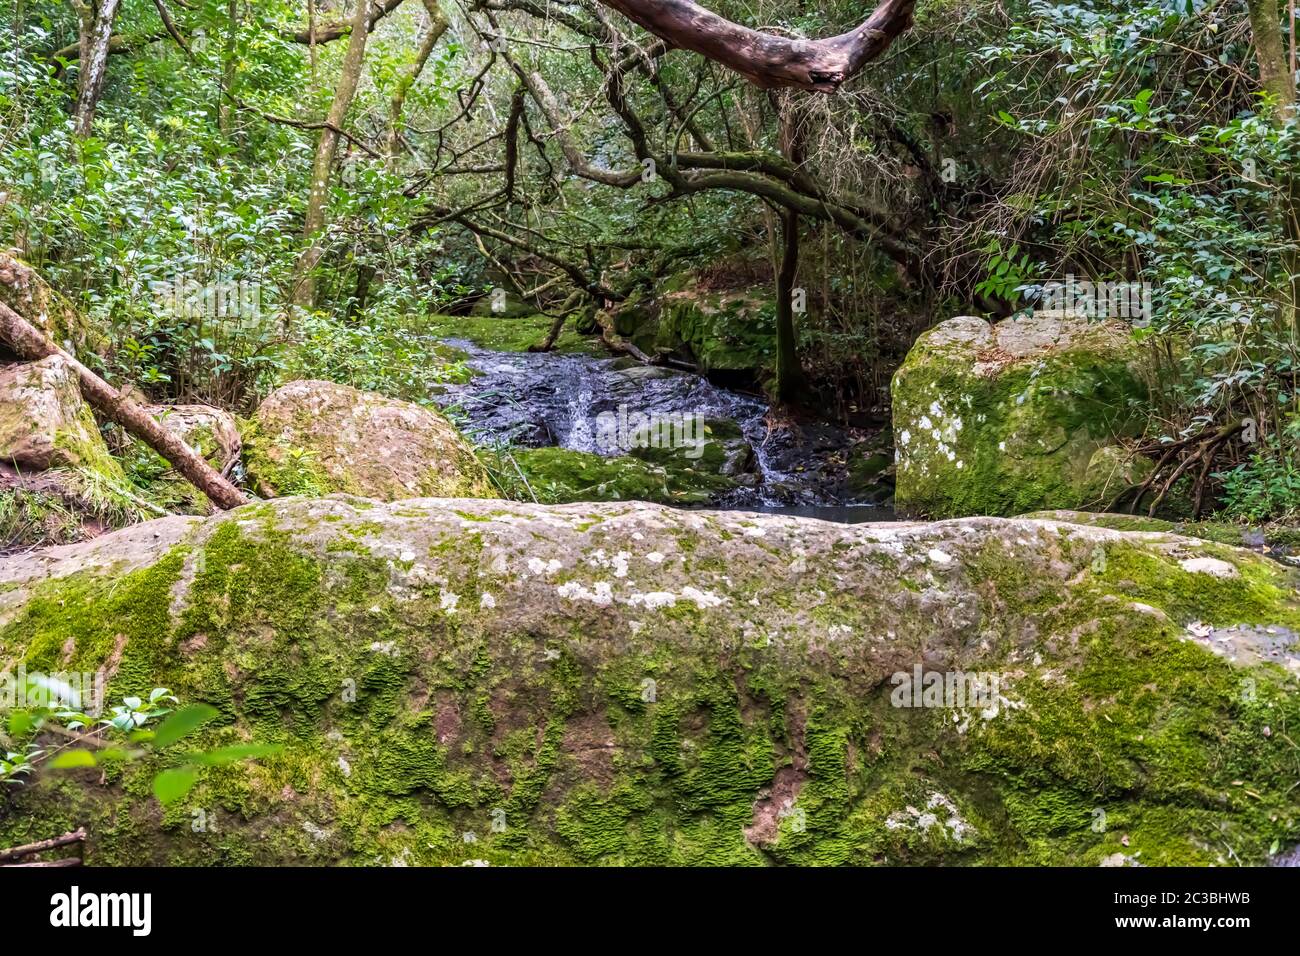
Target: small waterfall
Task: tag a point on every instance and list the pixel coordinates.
(581, 436)
(544, 399)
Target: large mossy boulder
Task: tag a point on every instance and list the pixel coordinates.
(44, 421)
(1019, 416)
(24, 291)
(457, 681)
(729, 331)
(313, 438)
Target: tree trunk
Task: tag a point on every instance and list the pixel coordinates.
(1277, 80)
(438, 24)
(31, 343)
(1274, 74)
(95, 33)
(326, 148)
(768, 60)
(790, 382)
(361, 292)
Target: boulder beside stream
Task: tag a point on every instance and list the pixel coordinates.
(1023, 415)
(313, 437)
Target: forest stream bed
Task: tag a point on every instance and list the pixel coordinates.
(557, 399)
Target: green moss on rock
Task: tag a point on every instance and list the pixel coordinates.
(1016, 417)
(24, 291)
(731, 331)
(629, 684)
(45, 423)
(313, 438)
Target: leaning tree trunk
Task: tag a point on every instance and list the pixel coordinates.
(95, 34)
(438, 24)
(31, 343)
(326, 147)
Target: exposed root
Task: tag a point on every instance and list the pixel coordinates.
(1176, 460)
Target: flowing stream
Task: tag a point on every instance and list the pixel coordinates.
(554, 399)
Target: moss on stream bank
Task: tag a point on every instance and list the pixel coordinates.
(510, 334)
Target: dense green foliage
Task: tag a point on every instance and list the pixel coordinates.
(996, 149)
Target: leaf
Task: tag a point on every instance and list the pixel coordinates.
(20, 722)
(171, 785)
(182, 723)
(71, 759)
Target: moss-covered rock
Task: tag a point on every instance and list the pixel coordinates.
(314, 438)
(721, 449)
(730, 331)
(560, 476)
(45, 423)
(1019, 416)
(467, 680)
(24, 291)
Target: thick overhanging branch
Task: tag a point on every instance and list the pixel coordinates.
(854, 222)
(765, 59)
(328, 32)
(773, 178)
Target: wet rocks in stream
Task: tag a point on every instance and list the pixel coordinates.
(705, 444)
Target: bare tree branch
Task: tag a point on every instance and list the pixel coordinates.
(765, 59)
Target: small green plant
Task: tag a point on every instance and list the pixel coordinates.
(123, 735)
(18, 764)
(1267, 485)
(1008, 273)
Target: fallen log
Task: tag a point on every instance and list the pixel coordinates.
(29, 342)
